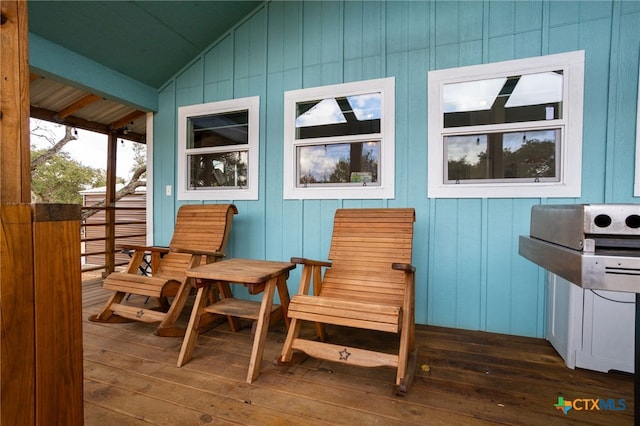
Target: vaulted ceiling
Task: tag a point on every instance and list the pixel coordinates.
(148, 41)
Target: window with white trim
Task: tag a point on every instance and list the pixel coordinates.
(218, 150)
(511, 129)
(339, 141)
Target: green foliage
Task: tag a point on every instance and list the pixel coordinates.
(61, 178)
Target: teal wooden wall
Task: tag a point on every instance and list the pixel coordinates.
(469, 273)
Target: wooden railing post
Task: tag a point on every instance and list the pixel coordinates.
(110, 202)
(58, 314)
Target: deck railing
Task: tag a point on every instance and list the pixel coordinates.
(103, 233)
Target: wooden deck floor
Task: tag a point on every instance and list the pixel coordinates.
(463, 377)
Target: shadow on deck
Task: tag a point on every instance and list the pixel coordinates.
(463, 377)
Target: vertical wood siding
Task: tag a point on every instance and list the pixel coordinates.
(469, 273)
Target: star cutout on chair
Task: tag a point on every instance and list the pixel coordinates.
(140, 313)
(344, 354)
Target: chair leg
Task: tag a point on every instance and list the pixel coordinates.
(405, 383)
(287, 349)
(167, 327)
(106, 314)
(406, 359)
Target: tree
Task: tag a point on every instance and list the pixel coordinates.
(57, 178)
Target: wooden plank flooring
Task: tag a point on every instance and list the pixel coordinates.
(463, 377)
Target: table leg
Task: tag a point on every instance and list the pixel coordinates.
(283, 293)
(261, 329)
(191, 335)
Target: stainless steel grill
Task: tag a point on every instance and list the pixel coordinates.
(596, 246)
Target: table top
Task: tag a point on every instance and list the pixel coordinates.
(249, 271)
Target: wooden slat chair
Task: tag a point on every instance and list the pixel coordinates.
(200, 234)
(368, 284)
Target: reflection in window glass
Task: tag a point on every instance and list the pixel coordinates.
(225, 169)
(537, 89)
(519, 98)
(339, 116)
(476, 95)
(218, 130)
(347, 163)
(503, 155)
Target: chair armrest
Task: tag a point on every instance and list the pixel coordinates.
(310, 262)
(406, 267)
(201, 252)
(158, 249)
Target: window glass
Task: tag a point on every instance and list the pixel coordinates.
(227, 169)
(340, 116)
(339, 163)
(219, 130)
(513, 99)
(502, 155)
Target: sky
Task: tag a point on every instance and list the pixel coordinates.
(90, 149)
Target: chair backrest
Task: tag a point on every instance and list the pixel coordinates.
(364, 244)
(198, 227)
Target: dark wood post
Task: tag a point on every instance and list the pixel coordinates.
(40, 301)
(110, 202)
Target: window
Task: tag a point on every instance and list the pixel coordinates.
(339, 141)
(218, 150)
(510, 129)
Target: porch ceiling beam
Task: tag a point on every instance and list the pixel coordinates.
(44, 114)
(126, 119)
(78, 105)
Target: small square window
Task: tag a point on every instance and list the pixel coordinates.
(510, 129)
(219, 150)
(339, 141)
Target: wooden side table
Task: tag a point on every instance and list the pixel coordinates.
(257, 275)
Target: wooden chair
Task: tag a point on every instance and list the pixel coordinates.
(368, 284)
(200, 234)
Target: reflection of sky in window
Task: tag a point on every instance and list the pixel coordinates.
(365, 107)
(472, 95)
(471, 146)
(327, 111)
(320, 161)
(536, 89)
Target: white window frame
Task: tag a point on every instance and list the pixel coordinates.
(570, 179)
(385, 189)
(250, 192)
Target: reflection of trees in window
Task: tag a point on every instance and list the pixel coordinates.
(219, 169)
(534, 159)
(345, 168)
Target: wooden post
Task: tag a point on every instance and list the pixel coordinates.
(17, 335)
(58, 314)
(40, 291)
(17, 328)
(15, 153)
(110, 202)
